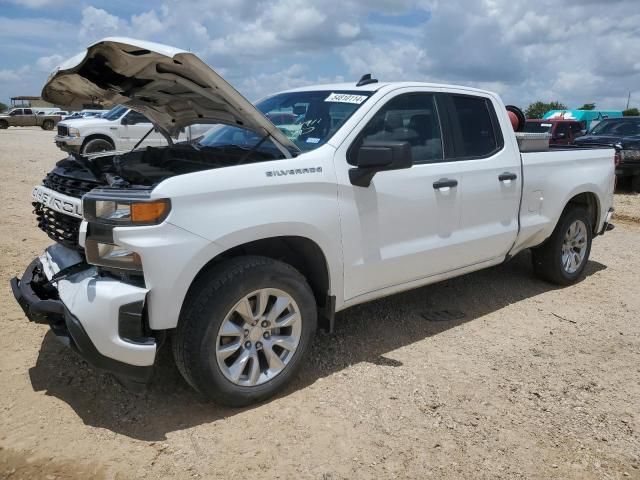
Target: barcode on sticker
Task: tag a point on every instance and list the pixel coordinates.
(345, 98)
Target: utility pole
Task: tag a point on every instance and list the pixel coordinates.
(628, 99)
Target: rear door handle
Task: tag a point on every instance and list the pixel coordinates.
(444, 183)
(503, 177)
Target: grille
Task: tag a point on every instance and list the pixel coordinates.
(59, 227)
(69, 186)
(63, 131)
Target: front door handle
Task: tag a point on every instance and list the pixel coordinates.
(444, 183)
(503, 177)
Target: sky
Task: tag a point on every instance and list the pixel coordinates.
(573, 51)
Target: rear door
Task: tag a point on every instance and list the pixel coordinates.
(489, 168)
(29, 118)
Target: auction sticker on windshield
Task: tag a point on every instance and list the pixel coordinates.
(346, 98)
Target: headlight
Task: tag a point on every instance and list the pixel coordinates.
(105, 209)
(111, 256)
(125, 211)
(74, 132)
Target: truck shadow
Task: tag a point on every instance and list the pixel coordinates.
(364, 333)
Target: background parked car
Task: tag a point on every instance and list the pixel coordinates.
(27, 117)
(118, 129)
(85, 114)
(563, 132)
(624, 134)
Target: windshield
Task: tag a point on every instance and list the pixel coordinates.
(308, 119)
(617, 127)
(537, 127)
(115, 113)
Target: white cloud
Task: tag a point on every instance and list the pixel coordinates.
(585, 52)
(48, 63)
(97, 23)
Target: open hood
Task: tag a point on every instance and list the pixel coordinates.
(173, 88)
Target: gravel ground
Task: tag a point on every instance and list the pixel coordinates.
(523, 381)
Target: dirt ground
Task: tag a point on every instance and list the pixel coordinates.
(526, 380)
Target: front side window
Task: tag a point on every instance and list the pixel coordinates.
(115, 113)
(476, 123)
(408, 118)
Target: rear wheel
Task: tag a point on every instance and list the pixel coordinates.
(244, 330)
(47, 125)
(563, 257)
(97, 145)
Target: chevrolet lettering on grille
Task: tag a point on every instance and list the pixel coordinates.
(58, 201)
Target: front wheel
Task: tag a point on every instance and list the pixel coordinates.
(564, 256)
(97, 145)
(244, 330)
(635, 183)
(47, 125)
(3, 125)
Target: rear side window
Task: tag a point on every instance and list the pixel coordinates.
(477, 133)
(136, 117)
(28, 111)
(408, 118)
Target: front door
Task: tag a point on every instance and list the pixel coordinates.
(402, 226)
(133, 127)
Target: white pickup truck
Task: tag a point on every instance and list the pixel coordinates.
(121, 129)
(235, 248)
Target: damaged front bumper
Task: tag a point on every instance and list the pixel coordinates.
(100, 317)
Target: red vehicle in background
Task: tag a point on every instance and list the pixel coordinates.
(563, 132)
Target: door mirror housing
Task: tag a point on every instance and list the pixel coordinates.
(379, 156)
(126, 121)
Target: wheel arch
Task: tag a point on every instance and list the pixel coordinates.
(302, 253)
(590, 201)
(95, 136)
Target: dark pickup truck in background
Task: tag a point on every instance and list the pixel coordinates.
(624, 135)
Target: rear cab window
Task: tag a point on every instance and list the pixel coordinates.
(473, 126)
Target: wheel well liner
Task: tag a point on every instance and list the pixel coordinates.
(588, 200)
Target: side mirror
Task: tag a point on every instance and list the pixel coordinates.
(299, 109)
(125, 121)
(379, 156)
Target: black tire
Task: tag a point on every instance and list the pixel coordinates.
(47, 125)
(635, 183)
(210, 299)
(547, 258)
(3, 125)
(97, 145)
